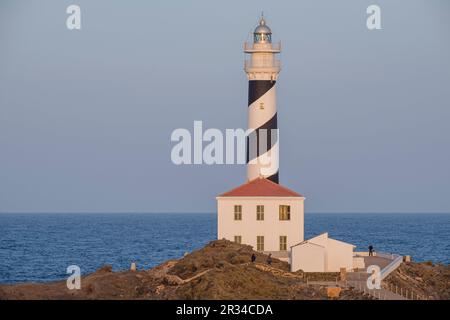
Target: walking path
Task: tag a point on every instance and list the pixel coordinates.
(360, 283)
(276, 271)
(358, 280)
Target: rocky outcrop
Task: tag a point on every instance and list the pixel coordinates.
(220, 270)
(423, 280)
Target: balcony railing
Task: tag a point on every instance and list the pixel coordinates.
(262, 47)
(274, 64)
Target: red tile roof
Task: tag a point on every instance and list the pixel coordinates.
(261, 187)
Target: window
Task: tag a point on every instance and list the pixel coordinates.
(238, 239)
(285, 212)
(260, 243)
(237, 212)
(262, 37)
(283, 243)
(259, 212)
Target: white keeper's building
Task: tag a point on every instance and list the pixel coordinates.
(263, 214)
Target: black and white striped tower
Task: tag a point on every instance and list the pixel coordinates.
(262, 70)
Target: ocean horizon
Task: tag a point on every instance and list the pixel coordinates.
(38, 247)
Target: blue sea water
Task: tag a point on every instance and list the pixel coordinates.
(39, 247)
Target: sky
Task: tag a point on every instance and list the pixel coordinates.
(86, 115)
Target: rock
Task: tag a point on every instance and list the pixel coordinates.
(89, 289)
(105, 268)
(159, 289)
(333, 292)
(172, 280)
(424, 279)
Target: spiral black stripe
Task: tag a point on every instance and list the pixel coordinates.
(256, 89)
(270, 139)
(271, 124)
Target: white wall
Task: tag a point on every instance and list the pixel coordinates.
(271, 228)
(339, 255)
(308, 257)
(358, 262)
(333, 255)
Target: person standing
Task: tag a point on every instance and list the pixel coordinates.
(370, 251)
(269, 259)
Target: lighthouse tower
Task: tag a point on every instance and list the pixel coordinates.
(261, 212)
(262, 68)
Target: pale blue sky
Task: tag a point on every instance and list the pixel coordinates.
(86, 116)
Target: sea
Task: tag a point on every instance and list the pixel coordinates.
(40, 247)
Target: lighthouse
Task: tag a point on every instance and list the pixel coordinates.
(262, 69)
(261, 212)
